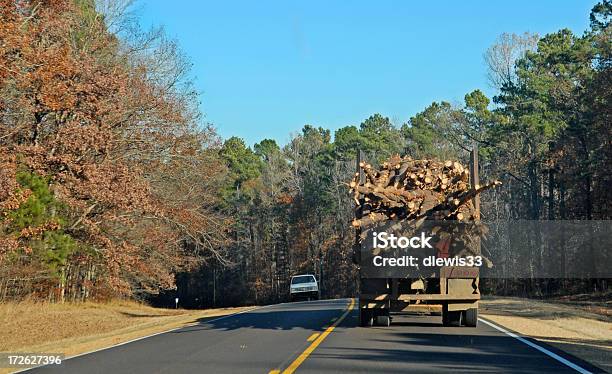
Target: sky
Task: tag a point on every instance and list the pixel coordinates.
(264, 69)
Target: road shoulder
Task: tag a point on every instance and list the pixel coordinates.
(570, 329)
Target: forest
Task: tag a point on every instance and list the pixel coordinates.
(113, 185)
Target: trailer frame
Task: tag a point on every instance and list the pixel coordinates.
(459, 287)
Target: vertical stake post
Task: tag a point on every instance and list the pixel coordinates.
(475, 181)
(475, 178)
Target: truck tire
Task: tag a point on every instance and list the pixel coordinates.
(471, 317)
(451, 318)
(445, 316)
(384, 320)
(366, 318)
(456, 318)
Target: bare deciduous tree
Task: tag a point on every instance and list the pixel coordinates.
(501, 57)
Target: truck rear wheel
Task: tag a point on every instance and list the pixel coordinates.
(451, 318)
(445, 316)
(471, 317)
(366, 318)
(456, 318)
(383, 320)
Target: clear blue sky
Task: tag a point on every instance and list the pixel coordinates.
(266, 68)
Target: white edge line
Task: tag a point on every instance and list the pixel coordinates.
(147, 336)
(539, 348)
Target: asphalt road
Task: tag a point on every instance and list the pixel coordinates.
(281, 337)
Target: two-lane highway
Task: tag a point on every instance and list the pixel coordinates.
(316, 337)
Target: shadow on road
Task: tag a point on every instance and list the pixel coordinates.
(143, 315)
(416, 324)
(311, 315)
(419, 360)
(422, 344)
(421, 341)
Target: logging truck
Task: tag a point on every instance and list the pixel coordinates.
(453, 292)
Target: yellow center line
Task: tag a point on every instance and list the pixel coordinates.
(304, 355)
(312, 337)
(274, 372)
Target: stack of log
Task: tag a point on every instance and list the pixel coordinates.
(404, 189)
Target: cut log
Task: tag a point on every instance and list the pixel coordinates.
(403, 189)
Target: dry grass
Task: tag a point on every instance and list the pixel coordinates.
(76, 328)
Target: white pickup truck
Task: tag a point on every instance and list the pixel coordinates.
(305, 287)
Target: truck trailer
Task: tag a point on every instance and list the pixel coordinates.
(452, 291)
